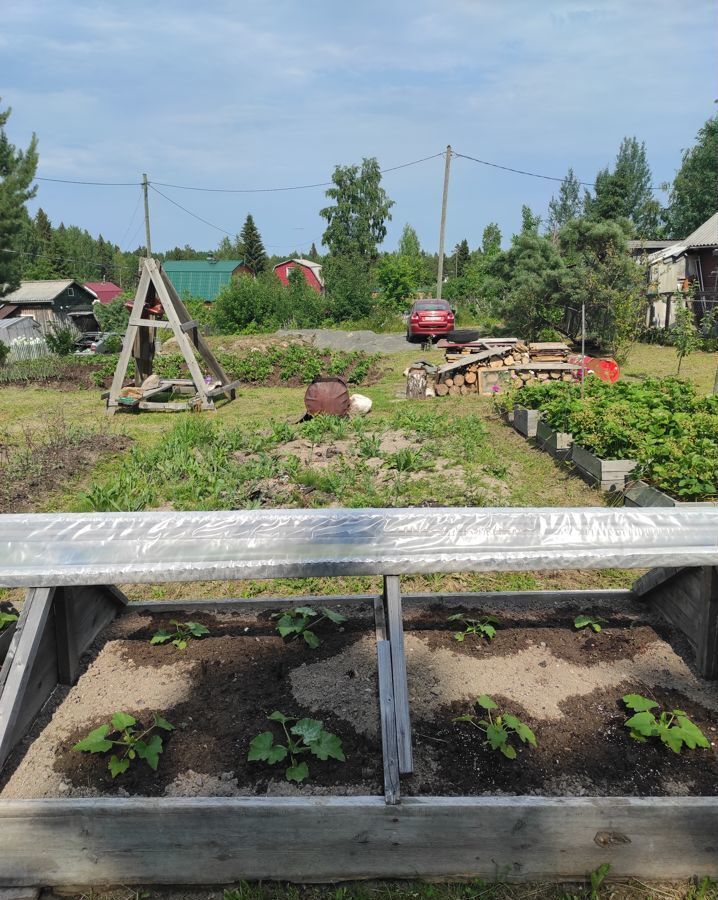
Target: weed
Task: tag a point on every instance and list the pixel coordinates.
(184, 632)
(129, 739)
(592, 622)
(305, 736)
(484, 627)
(408, 460)
(121, 495)
(6, 619)
(369, 445)
(674, 728)
(324, 427)
(500, 730)
(596, 879)
(295, 622)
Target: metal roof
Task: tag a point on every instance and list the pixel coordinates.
(41, 291)
(706, 235)
(201, 278)
(105, 291)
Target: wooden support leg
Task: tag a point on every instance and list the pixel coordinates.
(19, 662)
(387, 711)
(68, 653)
(392, 600)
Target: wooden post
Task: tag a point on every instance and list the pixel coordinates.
(387, 707)
(392, 599)
(442, 228)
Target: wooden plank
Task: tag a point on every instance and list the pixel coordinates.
(707, 642)
(387, 716)
(392, 598)
(173, 406)
(19, 665)
(470, 358)
(159, 840)
(68, 651)
(83, 612)
(128, 343)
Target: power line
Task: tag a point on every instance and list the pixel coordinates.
(189, 212)
(298, 187)
(83, 261)
(519, 171)
(121, 242)
(96, 183)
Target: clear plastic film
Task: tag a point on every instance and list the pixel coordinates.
(39, 550)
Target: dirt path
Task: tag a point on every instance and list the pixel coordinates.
(369, 341)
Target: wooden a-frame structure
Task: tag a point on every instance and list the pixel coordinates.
(156, 294)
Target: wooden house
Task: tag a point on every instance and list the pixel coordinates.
(312, 272)
(65, 302)
(203, 279)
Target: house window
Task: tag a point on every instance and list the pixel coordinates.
(289, 269)
(71, 292)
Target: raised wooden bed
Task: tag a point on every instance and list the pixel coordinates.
(607, 474)
(5, 639)
(638, 493)
(526, 421)
(557, 443)
(99, 841)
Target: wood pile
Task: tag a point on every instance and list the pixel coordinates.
(467, 371)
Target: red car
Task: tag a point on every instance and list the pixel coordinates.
(429, 318)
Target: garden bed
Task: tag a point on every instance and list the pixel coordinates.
(565, 684)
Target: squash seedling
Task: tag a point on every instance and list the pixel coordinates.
(501, 729)
(184, 632)
(123, 732)
(673, 727)
(591, 622)
(484, 627)
(304, 736)
(6, 619)
(295, 622)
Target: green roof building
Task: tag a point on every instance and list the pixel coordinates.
(202, 278)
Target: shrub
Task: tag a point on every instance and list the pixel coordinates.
(4, 351)
(112, 316)
(61, 339)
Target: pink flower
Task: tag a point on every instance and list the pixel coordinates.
(495, 388)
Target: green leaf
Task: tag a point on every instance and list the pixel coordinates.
(263, 749)
(150, 751)
(118, 766)
(308, 729)
(485, 702)
(457, 617)
(643, 723)
(527, 736)
(305, 611)
(672, 737)
(277, 716)
(334, 616)
(286, 630)
(180, 643)
(464, 719)
(121, 720)
(163, 723)
(496, 736)
(95, 742)
(197, 629)
(328, 745)
(297, 772)
(638, 703)
(161, 637)
(459, 635)
(596, 627)
(692, 734)
(311, 639)
(508, 751)
(582, 621)
(489, 631)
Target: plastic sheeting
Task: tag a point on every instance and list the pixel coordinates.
(96, 548)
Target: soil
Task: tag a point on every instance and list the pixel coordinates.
(218, 692)
(71, 376)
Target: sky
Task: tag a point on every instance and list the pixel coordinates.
(267, 95)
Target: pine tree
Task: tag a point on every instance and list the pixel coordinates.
(626, 192)
(529, 222)
(313, 254)
(17, 171)
(463, 254)
(568, 204)
(253, 252)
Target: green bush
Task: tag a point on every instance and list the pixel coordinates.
(112, 316)
(4, 351)
(61, 339)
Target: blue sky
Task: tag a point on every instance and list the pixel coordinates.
(251, 95)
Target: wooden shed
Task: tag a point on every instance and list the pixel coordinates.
(312, 272)
(65, 302)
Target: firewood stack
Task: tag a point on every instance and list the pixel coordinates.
(473, 370)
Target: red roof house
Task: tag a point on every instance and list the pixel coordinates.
(312, 272)
(105, 291)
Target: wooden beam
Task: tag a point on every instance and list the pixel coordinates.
(387, 716)
(18, 666)
(111, 840)
(128, 342)
(392, 598)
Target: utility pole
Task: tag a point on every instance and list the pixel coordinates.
(440, 277)
(148, 242)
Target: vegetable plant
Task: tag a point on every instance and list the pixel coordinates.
(6, 619)
(500, 729)
(592, 622)
(484, 627)
(296, 621)
(132, 742)
(184, 632)
(304, 736)
(673, 727)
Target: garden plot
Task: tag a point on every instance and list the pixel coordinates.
(563, 683)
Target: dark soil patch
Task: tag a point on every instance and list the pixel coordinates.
(62, 374)
(42, 463)
(589, 751)
(241, 677)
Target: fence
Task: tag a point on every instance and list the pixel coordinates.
(22, 349)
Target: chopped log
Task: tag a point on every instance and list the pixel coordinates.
(448, 382)
(465, 389)
(454, 390)
(470, 377)
(496, 364)
(458, 379)
(543, 376)
(441, 389)
(567, 377)
(416, 383)
(509, 360)
(554, 375)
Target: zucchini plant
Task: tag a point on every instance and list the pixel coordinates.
(304, 736)
(6, 619)
(500, 729)
(296, 622)
(130, 739)
(592, 622)
(483, 627)
(184, 632)
(673, 727)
